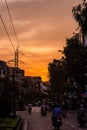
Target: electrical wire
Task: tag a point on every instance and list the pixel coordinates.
(6, 31)
(12, 23)
(14, 31)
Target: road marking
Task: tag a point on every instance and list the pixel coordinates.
(73, 126)
(66, 122)
(35, 111)
(25, 126)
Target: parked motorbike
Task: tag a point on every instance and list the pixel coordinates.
(57, 122)
(81, 120)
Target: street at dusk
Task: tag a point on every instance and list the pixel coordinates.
(43, 64)
(36, 121)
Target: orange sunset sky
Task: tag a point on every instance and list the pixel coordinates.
(41, 27)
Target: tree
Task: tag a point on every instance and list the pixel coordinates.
(75, 56)
(74, 63)
(57, 76)
(80, 15)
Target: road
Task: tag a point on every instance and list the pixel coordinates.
(36, 122)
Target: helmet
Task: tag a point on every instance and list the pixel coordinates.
(57, 105)
(81, 105)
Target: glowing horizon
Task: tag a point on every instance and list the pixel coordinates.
(41, 27)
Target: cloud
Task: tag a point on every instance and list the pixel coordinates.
(35, 17)
(41, 27)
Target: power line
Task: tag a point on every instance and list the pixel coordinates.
(12, 22)
(16, 51)
(16, 59)
(13, 27)
(7, 31)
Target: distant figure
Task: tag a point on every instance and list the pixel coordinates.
(64, 109)
(44, 109)
(81, 115)
(29, 108)
(82, 110)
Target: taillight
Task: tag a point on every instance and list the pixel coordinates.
(58, 118)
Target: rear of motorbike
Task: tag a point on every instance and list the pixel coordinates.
(44, 112)
(64, 113)
(81, 120)
(57, 122)
(29, 110)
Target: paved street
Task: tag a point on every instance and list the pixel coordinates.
(36, 122)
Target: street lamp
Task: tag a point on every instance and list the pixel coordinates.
(60, 51)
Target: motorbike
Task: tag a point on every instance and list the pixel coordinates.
(81, 120)
(64, 113)
(44, 112)
(29, 110)
(57, 122)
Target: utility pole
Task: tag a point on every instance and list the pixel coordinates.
(13, 79)
(14, 75)
(16, 58)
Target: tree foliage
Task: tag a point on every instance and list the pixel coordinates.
(80, 15)
(75, 56)
(57, 75)
(74, 63)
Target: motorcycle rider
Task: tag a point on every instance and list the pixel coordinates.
(29, 107)
(57, 111)
(81, 113)
(64, 109)
(43, 108)
(82, 110)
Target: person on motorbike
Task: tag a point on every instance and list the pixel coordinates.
(44, 109)
(81, 115)
(57, 111)
(29, 107)
(82, 110)
(64, 109)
